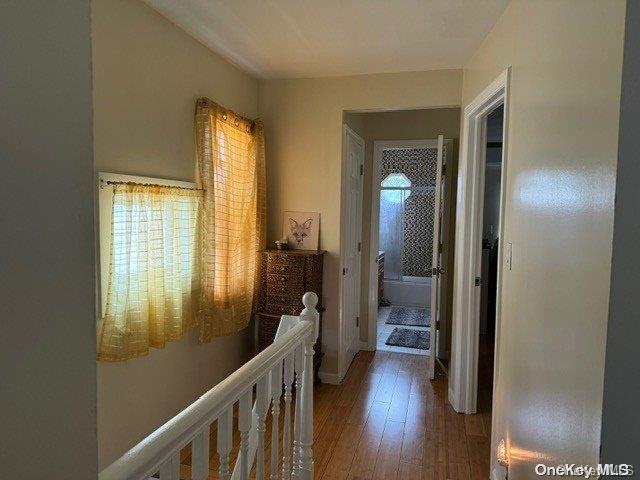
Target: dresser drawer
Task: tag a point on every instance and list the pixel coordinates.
(285, 300)
(285, 285)
(285, 259)
(283, 309)
(286, 268)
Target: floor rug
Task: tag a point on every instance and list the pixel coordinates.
(405, 337)
(409, 316)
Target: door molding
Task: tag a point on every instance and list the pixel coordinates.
(374, 238)
(463, 378)
(345, 217)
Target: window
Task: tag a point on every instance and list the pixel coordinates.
(173, 256)
(396, 180)
(148, 263)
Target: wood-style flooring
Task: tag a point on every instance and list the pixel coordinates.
(388, 421)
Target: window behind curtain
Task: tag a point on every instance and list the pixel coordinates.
(149, 264)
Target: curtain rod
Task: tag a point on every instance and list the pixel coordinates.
(112, 182)
(204, 101)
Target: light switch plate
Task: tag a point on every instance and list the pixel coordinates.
(508, 253)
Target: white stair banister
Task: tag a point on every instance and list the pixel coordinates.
(276, 392)
(262, 404)
(160, 451)
(200, 455)
(170, 469)
(244, 425)
(305, 432)
(224, 439)
(286, 429)
(287, 322)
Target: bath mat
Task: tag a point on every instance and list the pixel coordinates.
(405, 337)
(409, 316)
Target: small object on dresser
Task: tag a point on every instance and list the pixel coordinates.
(282, 244)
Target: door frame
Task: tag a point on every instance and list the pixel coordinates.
(374, 240)
(463, 378)
(345, 217)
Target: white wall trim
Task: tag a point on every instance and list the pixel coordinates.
(330, 378)
(367, 346)
(463, 379)
(344, 218)
(374, 240)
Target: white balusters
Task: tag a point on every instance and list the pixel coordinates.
(293, 346)
(244, 425)
(298, 365)
(286, 431)
(276, 391)
(262, 404)
(170, 469)
(224, 439)
(305, 396)
(200, 455)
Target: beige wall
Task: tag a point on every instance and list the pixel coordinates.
(417, 124)
(565, 89)
(147, 75)
(303, 122)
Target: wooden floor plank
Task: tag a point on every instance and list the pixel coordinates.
(388, 460)
(367, 447)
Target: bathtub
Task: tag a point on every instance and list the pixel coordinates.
(414, 291)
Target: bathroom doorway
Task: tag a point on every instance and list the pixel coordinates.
(407, 192)
(400, 170)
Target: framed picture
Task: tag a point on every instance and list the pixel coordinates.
(301, 229)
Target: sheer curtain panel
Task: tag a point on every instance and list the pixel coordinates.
(230, 171)
(153, 280)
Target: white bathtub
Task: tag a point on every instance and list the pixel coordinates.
(414, 291)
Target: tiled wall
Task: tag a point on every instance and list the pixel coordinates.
(419, 165)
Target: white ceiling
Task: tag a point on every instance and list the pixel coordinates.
(316, 38)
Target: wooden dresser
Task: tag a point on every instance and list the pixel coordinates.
(286, 275)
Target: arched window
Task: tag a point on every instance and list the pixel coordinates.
(396, 180)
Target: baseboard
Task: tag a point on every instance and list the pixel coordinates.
(453, 400)
(331, 378)
(367, 347)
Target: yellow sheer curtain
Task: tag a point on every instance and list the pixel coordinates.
(153, 288)
(231, 172)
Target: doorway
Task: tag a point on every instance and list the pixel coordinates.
(478, 270)
(409, 268)
(406, 206)
(489, 259)
(353, 148)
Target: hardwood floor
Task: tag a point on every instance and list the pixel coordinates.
(388, 421)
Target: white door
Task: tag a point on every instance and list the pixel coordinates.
(436, 270)
(352, 168)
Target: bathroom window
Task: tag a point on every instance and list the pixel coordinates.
(397, 180)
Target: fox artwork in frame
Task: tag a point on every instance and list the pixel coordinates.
(301, 230)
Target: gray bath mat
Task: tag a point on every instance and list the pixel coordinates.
(409, 316)
(405, 337)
